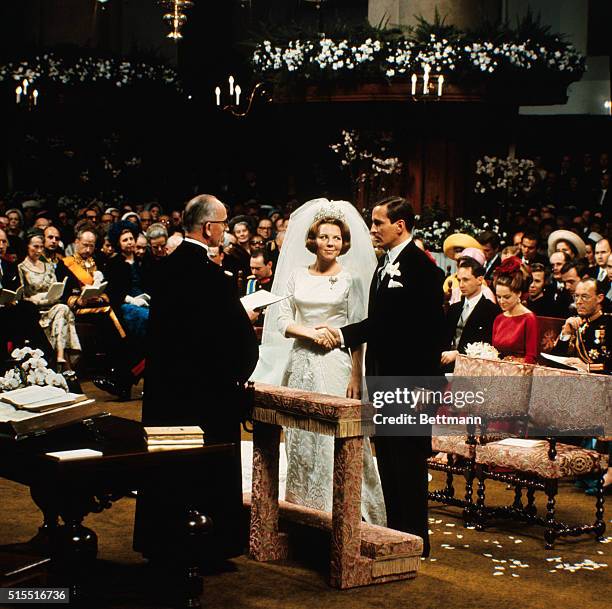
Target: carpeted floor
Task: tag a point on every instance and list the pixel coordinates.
(460, 574)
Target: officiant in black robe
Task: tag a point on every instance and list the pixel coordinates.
(404, 336)
(201, 349)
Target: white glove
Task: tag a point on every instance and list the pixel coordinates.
(137, 301)
(98, 278)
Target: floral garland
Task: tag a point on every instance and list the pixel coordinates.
(88, 69)
(511, 176)
(399, 58)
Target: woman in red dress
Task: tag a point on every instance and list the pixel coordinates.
(515, 329)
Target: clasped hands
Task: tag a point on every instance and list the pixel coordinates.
(326, 337)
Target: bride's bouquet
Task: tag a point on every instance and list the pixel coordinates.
(482, 351)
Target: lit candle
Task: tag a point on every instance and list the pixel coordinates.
(218, 95)
(18, 94)
(238, 92)
(231, 83)
(25, 86)
(414, 83)
(35, 96)
(440, 81)
(426, 80)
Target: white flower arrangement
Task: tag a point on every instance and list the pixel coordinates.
(511, 176)
(399, 58)
(30, 369)
(435, 232)
(56, 69)
(375, 165)
(482, 351)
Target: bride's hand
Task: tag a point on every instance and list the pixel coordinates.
(354, 388)
(324, 338)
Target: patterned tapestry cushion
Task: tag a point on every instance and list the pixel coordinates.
(570, 462)
(506, 385)
(566, 401)
(453, 445)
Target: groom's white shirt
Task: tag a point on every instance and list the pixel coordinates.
(393, 254)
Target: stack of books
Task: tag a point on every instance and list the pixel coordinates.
(173, 438)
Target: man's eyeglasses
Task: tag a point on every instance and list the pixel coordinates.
(256, 242)
(582, 297)
(52, 238)
(224, 222)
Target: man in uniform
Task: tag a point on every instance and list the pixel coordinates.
(587, 337)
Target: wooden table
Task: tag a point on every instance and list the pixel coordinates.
(361, 554)
(72, 489)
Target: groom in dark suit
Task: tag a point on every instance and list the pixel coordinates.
(201, 349)
(404, 336)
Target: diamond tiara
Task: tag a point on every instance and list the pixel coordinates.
(330, 210)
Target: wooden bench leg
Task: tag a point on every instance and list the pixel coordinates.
(347, 569)
(265, 541)
(550, 533)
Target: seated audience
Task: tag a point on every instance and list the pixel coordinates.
(56, 318)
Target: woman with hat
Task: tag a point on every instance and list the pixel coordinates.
(452, 247)
(515, 329)
(568, 242)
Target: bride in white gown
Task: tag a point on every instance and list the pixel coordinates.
(322, 289)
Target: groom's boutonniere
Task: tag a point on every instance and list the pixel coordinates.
(393, 271)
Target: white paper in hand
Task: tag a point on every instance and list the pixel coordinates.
(260, 300)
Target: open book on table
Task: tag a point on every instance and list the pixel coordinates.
(40, 399)
(8, 296)
(92, 291)
(561, 361)
(17, 424)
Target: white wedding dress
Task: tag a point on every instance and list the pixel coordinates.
(315, 300)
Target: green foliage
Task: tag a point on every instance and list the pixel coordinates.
(438, 28)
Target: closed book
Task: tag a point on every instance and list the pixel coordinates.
(160, 447)
(167, 441)
(180, 431)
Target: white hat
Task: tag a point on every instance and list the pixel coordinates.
(570, 237)
(31, 203)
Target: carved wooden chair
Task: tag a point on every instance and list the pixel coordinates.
(562, 403)
(507, 387)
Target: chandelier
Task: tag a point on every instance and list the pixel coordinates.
(175, 17)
